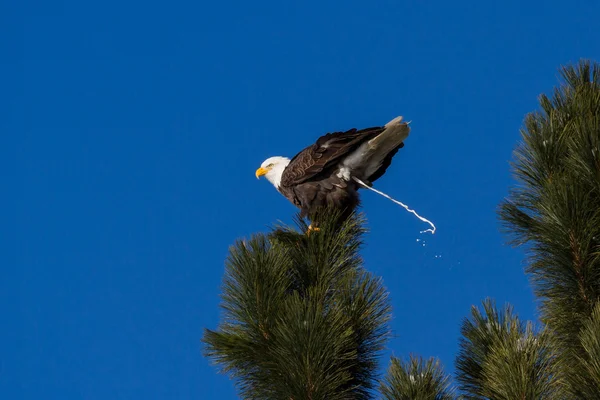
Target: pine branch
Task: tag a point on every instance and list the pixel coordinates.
(416, 379)
(501, 358)
(587, 386)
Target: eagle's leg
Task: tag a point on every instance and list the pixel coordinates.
(305, 213)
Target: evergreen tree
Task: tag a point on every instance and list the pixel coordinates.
(555, 210)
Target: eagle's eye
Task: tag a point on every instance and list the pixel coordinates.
(270, 165)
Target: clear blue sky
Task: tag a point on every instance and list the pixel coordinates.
(134, 130)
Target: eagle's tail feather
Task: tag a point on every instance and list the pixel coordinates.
(395, 133)
(395, 121)
(369, 157)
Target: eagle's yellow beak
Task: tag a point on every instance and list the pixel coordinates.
(261, 171)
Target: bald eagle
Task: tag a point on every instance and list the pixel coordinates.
(330, 172)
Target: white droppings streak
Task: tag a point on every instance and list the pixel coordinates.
(399, 203)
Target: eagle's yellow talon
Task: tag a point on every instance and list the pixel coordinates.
(311, 228)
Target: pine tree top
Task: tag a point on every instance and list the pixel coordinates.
(302, 318)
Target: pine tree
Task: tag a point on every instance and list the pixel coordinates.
(555, 211)
(302, 318)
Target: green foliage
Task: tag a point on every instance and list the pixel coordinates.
(587, 385)
(502, 358)
(416, 379)
(302, 318)
(556, 209)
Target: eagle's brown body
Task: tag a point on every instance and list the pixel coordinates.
(322, 174)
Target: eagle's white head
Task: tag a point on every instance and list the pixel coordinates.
(272, 168)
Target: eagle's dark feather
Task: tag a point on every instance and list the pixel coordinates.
(326, 152)
(311, 179)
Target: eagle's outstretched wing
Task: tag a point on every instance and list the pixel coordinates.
(327, 151)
